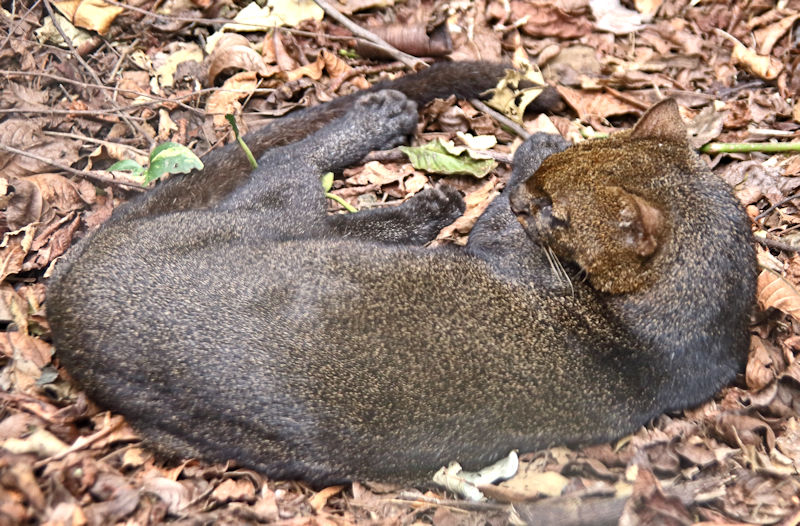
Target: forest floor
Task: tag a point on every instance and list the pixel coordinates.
(108, 81)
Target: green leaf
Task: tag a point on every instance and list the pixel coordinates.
(127, 165)
(171, 158)
(327, 182)
(442, 157)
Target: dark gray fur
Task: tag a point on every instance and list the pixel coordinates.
(254, 327)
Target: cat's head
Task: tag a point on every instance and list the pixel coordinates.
(597, 204)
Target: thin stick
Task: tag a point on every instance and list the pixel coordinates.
(412, 62)
(81, 173)
(502, 119)
(776, 244)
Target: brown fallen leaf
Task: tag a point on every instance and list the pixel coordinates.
(173, 493)
(735, 429)
(774, 291)
(595, 104)
(226, 99)
(763, 364)
(233, 51)
(235, 490)
(649, 506)
(376, 173)
(548, 19)
(13, 249)
(476, 202)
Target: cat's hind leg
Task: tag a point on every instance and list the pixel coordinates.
(285, 188)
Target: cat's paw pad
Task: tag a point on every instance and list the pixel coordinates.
(440, 201)
(390, 113)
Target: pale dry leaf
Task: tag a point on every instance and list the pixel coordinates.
(533, 483)
(13, 308)
(764, 66)
(647, 8)
(95, 15)
(166, 62)
(234, 490)
(319, 499)
(774, 291)
(348, 7)
(611, 16)
(40, 442)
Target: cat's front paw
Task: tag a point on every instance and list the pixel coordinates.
(388, 115)
(441, 203)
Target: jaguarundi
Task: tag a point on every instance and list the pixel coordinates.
(235, 319)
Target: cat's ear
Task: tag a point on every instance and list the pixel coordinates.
(662, 121)
(640, 223)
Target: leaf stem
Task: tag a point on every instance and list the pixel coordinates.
(242, 144)
(746, 147)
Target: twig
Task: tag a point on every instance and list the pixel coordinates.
(633, 101)
(412, 62)
(135, 128)
(82, 444)
(769, 210)
(502, 119)
(81, 173)
(749, 147)
(101, 142)
(776, 244)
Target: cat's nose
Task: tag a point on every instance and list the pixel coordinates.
(531, 208)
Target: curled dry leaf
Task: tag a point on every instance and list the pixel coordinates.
(233, 51)
(768, 36)
(413, 39)
(774, 291)
(476, 202)
(764, 66)
(752, 180)
(319, 499)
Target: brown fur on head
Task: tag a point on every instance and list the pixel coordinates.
(598, 204)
